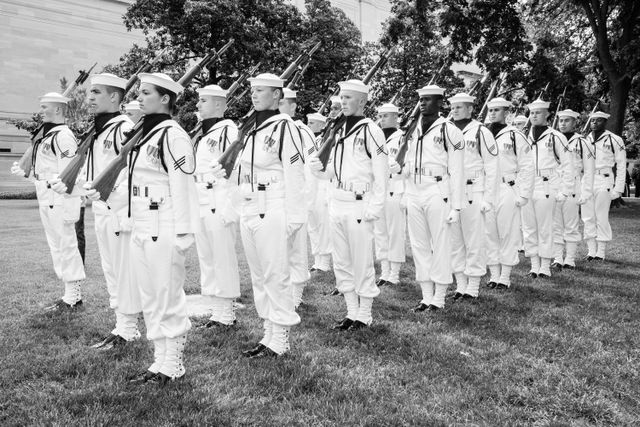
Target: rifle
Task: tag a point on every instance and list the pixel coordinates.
(26, 161)
(235, 86)
(492, 92)
(397, 95)
(412, 120)
(332, 126)
(70, 173)
(527, 126)
(229, 157)
(593, 110)
(106, 180)
(560, 99)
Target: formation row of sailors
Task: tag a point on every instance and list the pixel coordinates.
(469, 195)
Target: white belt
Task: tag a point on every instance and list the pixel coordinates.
(604, 171)
(435, 171)
(547, 172)
(354, 187)
(474, 174)
(204, 178)
(261, 179)
(44, 176)
(154, 192)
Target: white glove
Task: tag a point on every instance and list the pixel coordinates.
(92, 193)
(394, 167)
(218, 171)
(16, 169)
(485, 206)
(368, 216)
(561, 197)
(314, 163)
(583, 200)
(183, 241)
(454, 216)
(292, 228)
(615, 194)
(58, 186)
(521, 201)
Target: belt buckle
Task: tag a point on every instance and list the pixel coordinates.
(135, 190)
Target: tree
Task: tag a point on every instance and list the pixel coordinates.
(272, 32)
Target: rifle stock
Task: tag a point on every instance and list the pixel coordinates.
(332, 126)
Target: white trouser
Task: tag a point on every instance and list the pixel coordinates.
(595, 213)
(159, 271)
(59, 228)
(504, 234)
(216, 244)
(352, 243)
(396, 229)
(429, 233)
(468, 254)
(108, 247)
(566, 221)
(537, 218)
(319, 227)
(381, 236)
(298, 256)
(265, 246)
(128, 291)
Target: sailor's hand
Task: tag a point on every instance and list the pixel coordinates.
(58, 186)
(17, 170)
(521, 201)
(218, 171)
(91, 193)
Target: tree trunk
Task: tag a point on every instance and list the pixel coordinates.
(619, 97)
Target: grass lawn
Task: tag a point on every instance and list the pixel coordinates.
(563, 351)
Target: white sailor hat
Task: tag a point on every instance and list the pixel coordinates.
(162, 80)
(520, 119)
(212, 90)
(316, 116)
(266, 79)
(568, 113)
(599, 115)
(289, 94)
(133, 105)
(539, 104)
(108, 79)
(461, 98)
(388, 108)
(336, 100)
(499, 103)
(430, 90)
(54, 97)
(354, 85)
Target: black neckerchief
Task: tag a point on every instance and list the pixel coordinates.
(351, 122)
(461, 124)
(388, 132)
(537, 131)
(495, 128)
(597, 134)
(262, 116)
(569, 135)
(207, 124)
(100, 120)
(149, 121)
(427, 121)
(46, 127)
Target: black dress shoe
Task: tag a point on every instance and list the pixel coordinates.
(589, 258)
(569, 267)
(532, 275)
(313, 270)
(501, 287)
(141, 377)
(597, 258)
(266, 353)
(433, 308)
(381, 282)
(420, 307)
(491, 284)
(343, 325)
(469, 297)
(556, 265)
(60, 306)
(335, 292)
(358, 325)
(457, 296)
(112, 341)
(162, 380)
(255, 350)
(543, 276)
(216, 324)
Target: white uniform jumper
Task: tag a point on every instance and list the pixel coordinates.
(271, 179)
(553, 176)
(359, 168)
(216, 234)
(469, 261)
(59, 212)
(609, 151)
(504, 226)
(161, 208)
(113, 239)
(435, 185)
(390, 230)
(566, 221)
